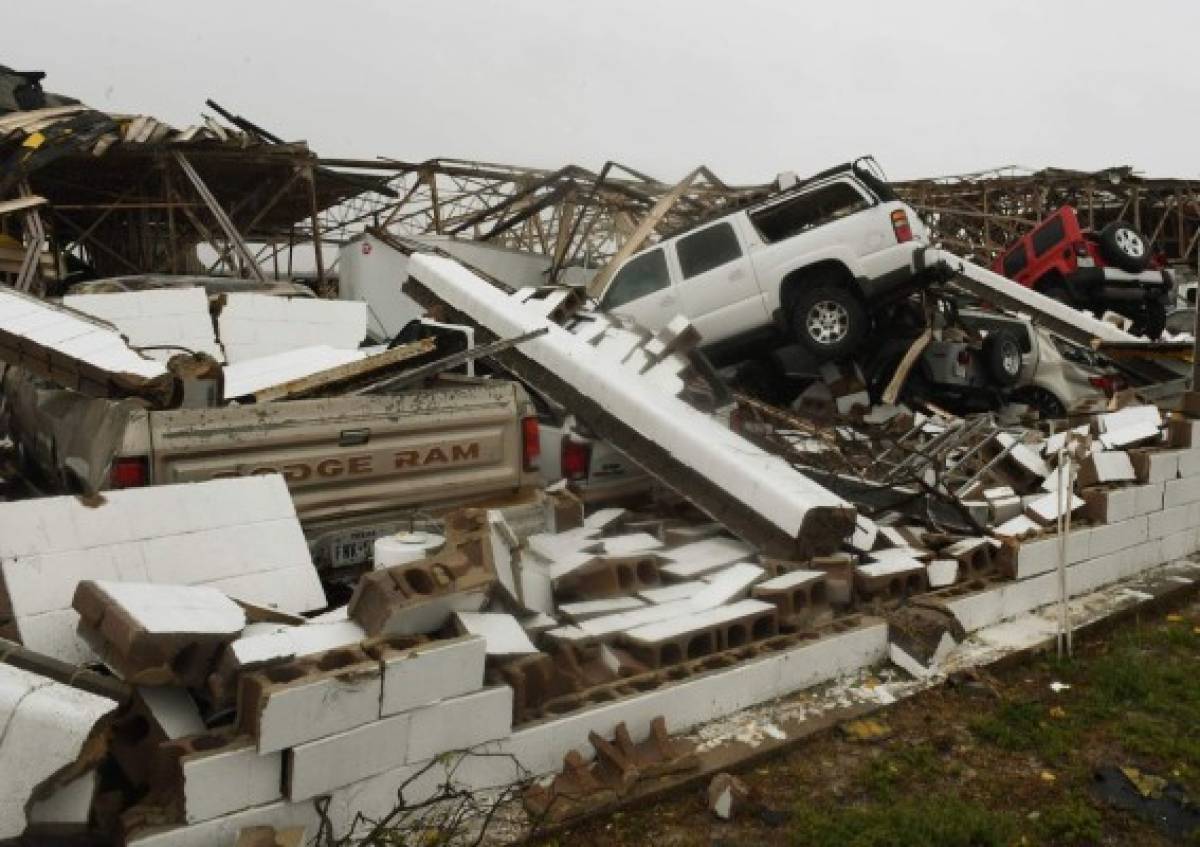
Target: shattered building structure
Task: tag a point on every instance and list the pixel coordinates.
(179, 667)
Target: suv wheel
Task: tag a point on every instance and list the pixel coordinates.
(1002, 354)
(1149, 321)
(1042, 401)
(829, 321)
(1125, 247)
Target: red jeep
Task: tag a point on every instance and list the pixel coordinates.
(1109, 270)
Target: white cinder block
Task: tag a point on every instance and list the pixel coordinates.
(1171, 521)
(1110, 538)
(587, 609)
(43, 728)
(1038, 556)
(312, 710)
(1149, 498)
(460, 723)
(1177, 492)
(540, 747)
(673, 592)
(501, 632)
(942, 572)
(690, 561)
(229, 780)
(1130, 416)
(320, 766)
(431, 672)
(1189, 461)
(240, 536)
(726, 585)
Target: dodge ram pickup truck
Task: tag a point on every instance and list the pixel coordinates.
(809, 264)
(358, 466)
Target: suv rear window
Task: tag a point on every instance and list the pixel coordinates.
(805, 211)
(1046, 237)
(641, 275)
(1015, 261)
(707, 249)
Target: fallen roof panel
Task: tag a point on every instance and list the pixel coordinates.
(74, 350)
(759, 496)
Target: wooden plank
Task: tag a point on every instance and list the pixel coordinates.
(342, 374)
(20, 204)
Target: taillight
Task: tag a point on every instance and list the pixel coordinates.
(130, 472)
(531, 443)
(575, 459)
(964, 357)
(1081, 249)
(901, 226)
(1110, 385)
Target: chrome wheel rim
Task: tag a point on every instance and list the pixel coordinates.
(827, 322)
(1129, 242)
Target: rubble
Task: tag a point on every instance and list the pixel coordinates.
(182, 678)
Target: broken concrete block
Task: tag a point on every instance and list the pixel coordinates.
(68, 807)
(1129, 416)
(629, 545)
(305, 699)
(727, 584)
(702, 633)
(416, 672)
(49, 735)
(419, 597)
(220, 773)
(839, 577)
(157, 634)
(865, 533)
(974, 556)
(1105, 466)
(1132, 435)
(595, 608)
(501, 633)
(672, 592)
(800, 597)
(890, 574)
(1155, 466)
(698, 558)
(1022, 457)
(604, 519)
(942, 572)
(460, 723)
(274, 644)
(726, 794)
(1045, 509)
(603, 577)
(318, 767)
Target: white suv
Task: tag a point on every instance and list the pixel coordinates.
(807, 264)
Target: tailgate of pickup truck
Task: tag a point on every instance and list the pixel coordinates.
(347, 456)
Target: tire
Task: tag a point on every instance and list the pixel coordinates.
(1055, 289)
(1041, 400)
(829, 320)
(1002, 355)
(1125, 247)
(1150, 320)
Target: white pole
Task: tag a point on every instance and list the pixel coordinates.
(1062, 523)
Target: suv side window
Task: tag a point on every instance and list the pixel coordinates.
(707, 249)
(805, 211)
(641, 275)
(1048, 235)
(1015, 261)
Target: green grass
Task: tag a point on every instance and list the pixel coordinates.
(921, 821)
(898, 769)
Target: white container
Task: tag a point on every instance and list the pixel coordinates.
(406, 547)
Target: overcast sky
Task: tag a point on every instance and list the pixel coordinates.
(749, 87)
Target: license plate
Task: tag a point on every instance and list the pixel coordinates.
(353, 547)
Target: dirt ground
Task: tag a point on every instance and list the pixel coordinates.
(1008, 758)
